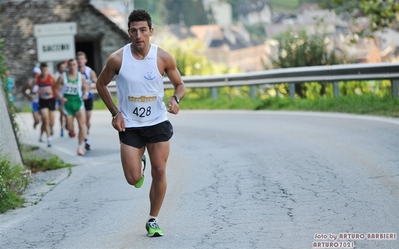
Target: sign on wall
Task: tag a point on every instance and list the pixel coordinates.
(55, 41)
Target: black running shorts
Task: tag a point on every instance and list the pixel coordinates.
(140, 136)
(47, 103)
(89, 104)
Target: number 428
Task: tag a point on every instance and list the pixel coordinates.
(142, 112)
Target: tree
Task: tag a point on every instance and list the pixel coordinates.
(149, 5)
(298, 49)
(235, 5)
(190, 12)
(380, 13)
(190, 61)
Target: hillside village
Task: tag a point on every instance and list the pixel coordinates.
(230, 42)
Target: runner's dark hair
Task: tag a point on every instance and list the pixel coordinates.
(138, 15)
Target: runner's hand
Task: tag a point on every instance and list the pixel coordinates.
(118, 123)
(173, 106)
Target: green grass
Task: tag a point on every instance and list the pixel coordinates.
(355, 104)
(41, 162)
(366, 104)
(284, 5)
(13, 181)
(370, 105)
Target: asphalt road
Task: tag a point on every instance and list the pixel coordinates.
(236, 179)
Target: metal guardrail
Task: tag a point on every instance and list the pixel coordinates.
(333, 74)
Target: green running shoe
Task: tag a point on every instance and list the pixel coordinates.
(153, 228)
(141, 181)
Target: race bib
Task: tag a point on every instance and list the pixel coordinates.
(71, 89)
(141, 107)
(46, 92)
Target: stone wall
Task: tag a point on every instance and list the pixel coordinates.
(8, 142)
(17, 20)
(93, 28)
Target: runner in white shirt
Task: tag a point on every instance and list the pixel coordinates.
(61, 68)
(141, 115)
(91, 78)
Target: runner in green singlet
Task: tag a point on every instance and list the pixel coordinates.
(71, 90)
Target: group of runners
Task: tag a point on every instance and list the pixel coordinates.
(70, 91)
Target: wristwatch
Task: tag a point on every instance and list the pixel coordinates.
(176, 98)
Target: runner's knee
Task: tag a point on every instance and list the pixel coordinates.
(158, 172)
(132, 179)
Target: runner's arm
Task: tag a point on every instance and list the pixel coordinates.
(27, 89)
(58, 88)
(93, 77)
(110, 69)
(103, 80)
(85, 89)
(175, 78)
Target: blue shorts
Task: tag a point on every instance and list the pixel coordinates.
(34, 106)
(57, 103)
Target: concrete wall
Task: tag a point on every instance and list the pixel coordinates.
(8, 142)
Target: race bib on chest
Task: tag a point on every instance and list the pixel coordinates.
(141, 107)
(46, 92)
(71, 89)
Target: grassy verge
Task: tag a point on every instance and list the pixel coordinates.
(14, 179)
(37, 160)
(369, 104)
(366, 104)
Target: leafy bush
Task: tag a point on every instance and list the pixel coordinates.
(13, 181)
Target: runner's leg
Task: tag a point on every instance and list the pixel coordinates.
(81, 118)
(131, 162)
(62, 118)
(158, 153)
(69, 123)
(36, 118)
(45, 113)
(88, 118)
(51, 120)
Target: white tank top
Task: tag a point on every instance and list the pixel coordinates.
(89, 81)
(140, 89)
(72, 87)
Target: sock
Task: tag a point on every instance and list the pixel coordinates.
(152, 217)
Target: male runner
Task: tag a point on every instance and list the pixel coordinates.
(72, 89)
(61, 68)
(46, 83)
(91, 78)
(141, 115)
